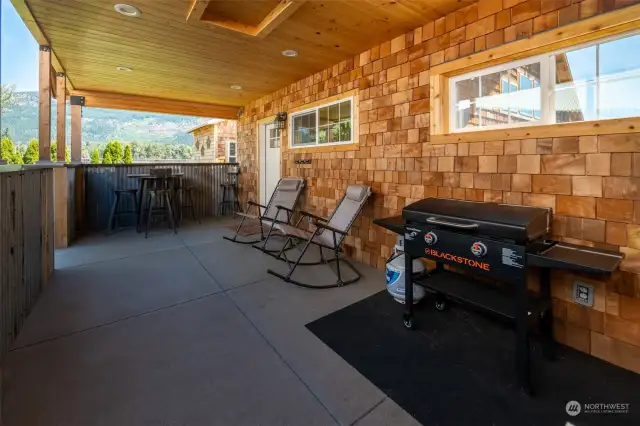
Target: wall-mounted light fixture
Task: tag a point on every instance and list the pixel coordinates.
(280, 120)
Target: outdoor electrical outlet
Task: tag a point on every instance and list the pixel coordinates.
(583, 293)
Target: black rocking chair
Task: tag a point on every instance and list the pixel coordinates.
(329, 233)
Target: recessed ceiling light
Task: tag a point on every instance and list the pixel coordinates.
(124, 68)
(235, 87)
(127, 10)
(290, 53)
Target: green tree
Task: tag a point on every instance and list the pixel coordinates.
(106, 157)
(32, 153)
(95, 156)
(8, 152)
(128, 155)
(54, 153)
(114, 148)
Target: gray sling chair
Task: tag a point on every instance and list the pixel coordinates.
(286, 194)
(329, 233)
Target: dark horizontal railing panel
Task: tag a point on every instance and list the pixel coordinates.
(100, 182)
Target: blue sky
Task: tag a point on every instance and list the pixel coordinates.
(18, 51)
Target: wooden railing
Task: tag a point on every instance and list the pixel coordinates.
(26, 245)
(100, 181)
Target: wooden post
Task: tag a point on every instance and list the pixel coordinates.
(76, 127)
(61, 115)
(44, 104)
(61, 206)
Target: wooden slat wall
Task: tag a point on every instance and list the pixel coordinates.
(26, 246)
(100, 181)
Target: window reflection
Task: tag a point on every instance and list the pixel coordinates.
(506, 97)
(304, 128)
(598, 82)
(619, 76)
(334, 123)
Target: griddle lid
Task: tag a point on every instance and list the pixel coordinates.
(530, 220)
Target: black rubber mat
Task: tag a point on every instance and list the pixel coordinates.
(458, 368)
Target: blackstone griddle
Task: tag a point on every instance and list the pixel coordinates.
(499, 242)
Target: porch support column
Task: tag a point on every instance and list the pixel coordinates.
(61, 116)
(61, 206)
(44, 105)
(77, 102)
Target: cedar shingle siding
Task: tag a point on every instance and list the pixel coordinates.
(210, 142)
(592, 182)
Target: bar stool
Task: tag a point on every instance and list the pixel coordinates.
(230, 191)
(159, 199)
(185, 194)
(115, 213)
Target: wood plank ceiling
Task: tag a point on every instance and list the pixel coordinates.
(197, 61)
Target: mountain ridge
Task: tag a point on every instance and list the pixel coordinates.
(100, 125)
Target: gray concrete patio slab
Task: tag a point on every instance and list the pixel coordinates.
(98, 293)
(280, 311)
(200, 363)
(125, 243)
(233, 265)
(209, 231)
(186, 330)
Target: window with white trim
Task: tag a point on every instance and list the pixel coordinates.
(232, 156)
(328, 124)
(591, 82)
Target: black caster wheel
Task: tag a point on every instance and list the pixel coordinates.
(408, 322)
(441, 305)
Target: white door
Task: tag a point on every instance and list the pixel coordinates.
(269, 161)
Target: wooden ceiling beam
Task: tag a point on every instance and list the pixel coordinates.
(150, 104)
(196, 10)
(30, 21)
(278, 15)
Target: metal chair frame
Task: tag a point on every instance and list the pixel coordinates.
(320, 227)
(262, 218)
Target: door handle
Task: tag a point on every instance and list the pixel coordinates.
(435, 221)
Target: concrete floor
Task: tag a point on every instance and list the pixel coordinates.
(184, 329)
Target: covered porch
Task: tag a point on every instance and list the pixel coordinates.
(177, 329)
(189, 329)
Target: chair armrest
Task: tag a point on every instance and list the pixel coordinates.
(329, 228)
(253, 203)
(279, 207)
(313, 216)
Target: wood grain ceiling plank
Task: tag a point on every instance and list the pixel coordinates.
(93, 36)
(195, 52)
(128, 54)
(153, 104)
(180, 39)
(212, 87)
